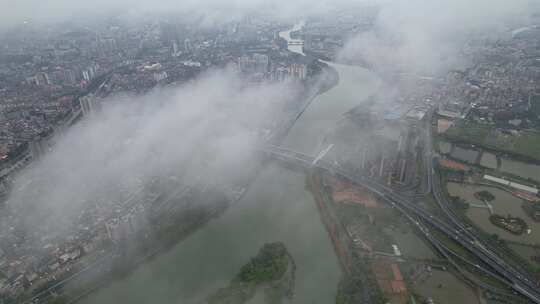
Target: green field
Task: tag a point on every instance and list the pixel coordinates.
(524, 144)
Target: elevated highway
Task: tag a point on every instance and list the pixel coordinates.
(501, 270)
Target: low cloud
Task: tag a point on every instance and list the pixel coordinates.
(204, 130)
(423, 36)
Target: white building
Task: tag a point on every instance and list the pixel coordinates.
(297, 71)
(89, 104)
(514, 185)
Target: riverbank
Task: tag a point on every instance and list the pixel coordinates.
(326, 80)
(129, 254)
(208, 259)
(358, 282)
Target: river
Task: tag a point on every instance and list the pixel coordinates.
(276, 207)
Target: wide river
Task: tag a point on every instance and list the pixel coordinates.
(275, 208)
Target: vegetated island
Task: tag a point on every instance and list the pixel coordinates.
(511, 224)
(271, 271)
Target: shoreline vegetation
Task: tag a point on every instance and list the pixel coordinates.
(271, 271)
(130, 254)
(514, 225)
(484, 196)
(358, 283)
(324, 79)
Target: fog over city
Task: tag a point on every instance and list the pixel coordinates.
(133, 125)
(209, 122)
(426, 37)
(205, 131)
(418, 36)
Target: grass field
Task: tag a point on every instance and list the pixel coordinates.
(525, 143)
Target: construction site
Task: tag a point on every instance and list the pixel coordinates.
(366, 236)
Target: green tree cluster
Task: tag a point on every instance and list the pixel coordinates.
(485, 196)
(270, 264)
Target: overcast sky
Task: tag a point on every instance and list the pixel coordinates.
(14, 12)
(439, 13)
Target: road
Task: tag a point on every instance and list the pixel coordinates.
(507, 274)
(518, 277)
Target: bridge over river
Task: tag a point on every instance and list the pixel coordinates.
(493, 265)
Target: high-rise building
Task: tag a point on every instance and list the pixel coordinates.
(297, 71)
(175, 49)
(279, 74)
(69, 76)
(187, 46)
(257, 63)
(261, 63)
(159, 76)
(89, 104)
(43, 78)
(90, 73)
(37, 148)
(40, 145)
(39, 79)
(106, 46)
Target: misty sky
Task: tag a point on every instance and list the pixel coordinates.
(16, 12)
(442, 13)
